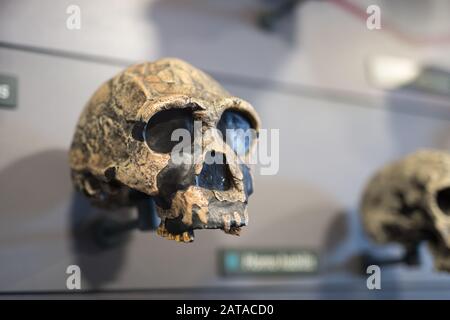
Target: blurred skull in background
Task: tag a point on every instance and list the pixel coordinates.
(408, 201)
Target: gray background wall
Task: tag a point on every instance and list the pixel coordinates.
(307, 79)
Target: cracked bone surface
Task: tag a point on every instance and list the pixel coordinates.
(408, 201)
(121, 151)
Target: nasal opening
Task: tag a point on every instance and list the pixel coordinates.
(215, 174)
(443, 200)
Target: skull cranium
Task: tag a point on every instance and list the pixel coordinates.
(408, 202)
(121, 150)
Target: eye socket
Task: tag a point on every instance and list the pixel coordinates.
(236, 129)
(159, 129)
(443, 200)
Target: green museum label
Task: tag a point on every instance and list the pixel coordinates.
(268, 262)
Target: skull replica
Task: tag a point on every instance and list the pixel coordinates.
(122, 148)
(409, 201)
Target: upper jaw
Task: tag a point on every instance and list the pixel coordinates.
(229, 216)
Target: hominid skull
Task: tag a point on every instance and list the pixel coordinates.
(122, 148)
(408, 202)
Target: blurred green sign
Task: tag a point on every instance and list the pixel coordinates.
(268, 262)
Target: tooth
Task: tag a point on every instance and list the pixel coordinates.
(226, 223)
(187, 237)
(237, 218)
(162, 231)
